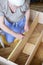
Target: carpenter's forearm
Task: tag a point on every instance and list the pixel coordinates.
(27, 16)
(6, 29)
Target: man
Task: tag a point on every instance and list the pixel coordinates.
(14, 17)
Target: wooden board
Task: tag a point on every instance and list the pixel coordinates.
(22, 42)
(6, 51)
(28, 48)
(22, 58)
(39, 53)
(33, 38)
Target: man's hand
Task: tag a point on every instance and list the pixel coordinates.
(19, 36)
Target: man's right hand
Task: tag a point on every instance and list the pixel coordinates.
(19, 36)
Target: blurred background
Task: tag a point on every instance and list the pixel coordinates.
(37, 5)
(35, 1)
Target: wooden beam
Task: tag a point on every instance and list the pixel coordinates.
(35, 49)
(22, 42)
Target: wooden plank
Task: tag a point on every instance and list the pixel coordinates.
(6, 51)
(33, 38)
(28, 49)
(35, 49)
(22, 58)
(22, 42)
(39, 53)
(4, 61)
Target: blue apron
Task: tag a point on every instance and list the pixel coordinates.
(16, 27)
